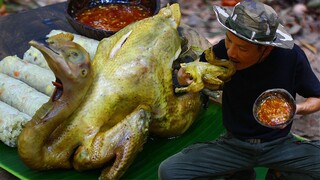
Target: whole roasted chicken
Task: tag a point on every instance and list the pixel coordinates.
(103, 110)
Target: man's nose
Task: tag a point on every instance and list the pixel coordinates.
(232, 52)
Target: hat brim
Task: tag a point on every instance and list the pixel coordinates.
(283, 38)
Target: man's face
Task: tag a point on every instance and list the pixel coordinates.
(241, 52)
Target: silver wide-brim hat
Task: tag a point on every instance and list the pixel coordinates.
(255, 22)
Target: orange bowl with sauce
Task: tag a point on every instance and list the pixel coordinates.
(274, 108)
(98, 19)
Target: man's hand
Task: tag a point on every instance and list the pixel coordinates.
(310, 105)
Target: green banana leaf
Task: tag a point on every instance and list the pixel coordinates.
(207, 127)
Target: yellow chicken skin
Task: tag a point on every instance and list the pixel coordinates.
(72, 85)
(103, 111)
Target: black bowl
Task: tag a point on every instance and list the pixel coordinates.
(285, 102)
(76, 6)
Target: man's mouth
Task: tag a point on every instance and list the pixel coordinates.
(234, 61)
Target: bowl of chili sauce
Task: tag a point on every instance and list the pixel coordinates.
(274, 108)
(98, 19)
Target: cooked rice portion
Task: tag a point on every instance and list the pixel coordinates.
(12, 122)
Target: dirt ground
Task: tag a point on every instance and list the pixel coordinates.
(300, 17)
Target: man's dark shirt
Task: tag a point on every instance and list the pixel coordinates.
(284, 68)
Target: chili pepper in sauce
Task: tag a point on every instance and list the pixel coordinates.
(274, 111)
(112, 17)
(229, 2)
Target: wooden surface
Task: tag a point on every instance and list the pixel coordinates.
(16, 30)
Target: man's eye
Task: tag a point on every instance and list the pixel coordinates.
(243, 49)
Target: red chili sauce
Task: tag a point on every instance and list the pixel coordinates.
(274, 111)
(112, 17)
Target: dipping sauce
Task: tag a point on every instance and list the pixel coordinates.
(274, 111)
(112, 17)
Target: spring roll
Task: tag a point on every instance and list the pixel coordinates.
(34, 56)
(33, 75)
(12, 122)
(20, 95)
